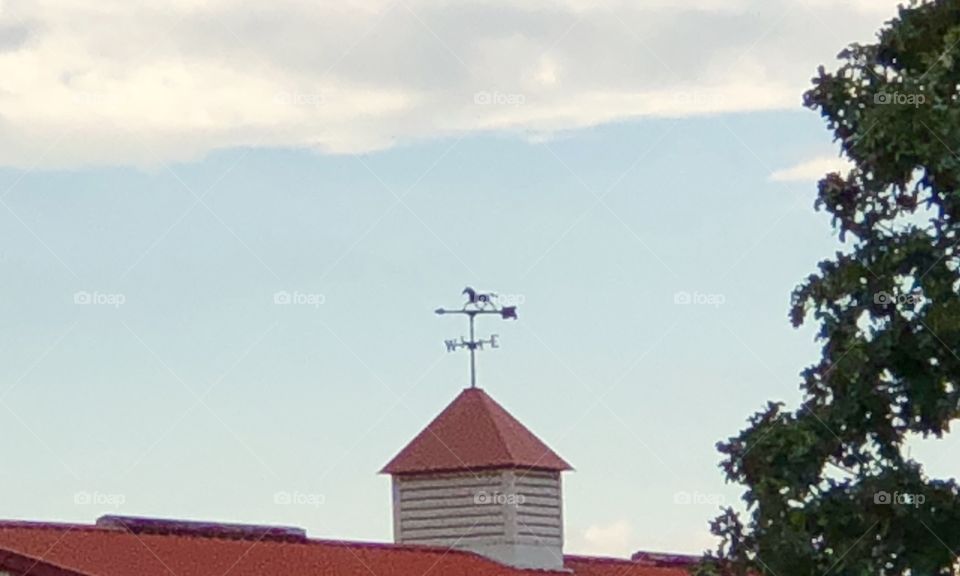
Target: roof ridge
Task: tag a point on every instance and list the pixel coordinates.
(489, 402)
(47, 525)
(606, 559)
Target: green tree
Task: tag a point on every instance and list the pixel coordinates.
(828, 488)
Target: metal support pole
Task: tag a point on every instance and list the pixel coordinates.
(473, 355)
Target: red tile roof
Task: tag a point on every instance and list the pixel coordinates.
(472, 433)
(111, 550)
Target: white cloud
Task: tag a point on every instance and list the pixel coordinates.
(616, 539)
(85, 82)
(811, 170)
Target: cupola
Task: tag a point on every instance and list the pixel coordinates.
(477, 479)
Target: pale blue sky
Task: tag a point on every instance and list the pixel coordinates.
(184, 390)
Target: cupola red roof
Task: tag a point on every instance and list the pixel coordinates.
(474, 433)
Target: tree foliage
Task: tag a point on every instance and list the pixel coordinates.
(828, 487)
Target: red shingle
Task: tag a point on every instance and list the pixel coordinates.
(474, 432)
(112, 551)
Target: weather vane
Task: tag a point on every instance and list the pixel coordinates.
(477, 303)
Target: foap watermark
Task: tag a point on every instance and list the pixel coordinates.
(508, 299)
(888, 299)
(298, 99)
(85, 498)
(685, 298)
(697, 498)
(698, 101)
(497, 498)
(486, 98)
(96, 100)
(84, 298)
(899, 498)
(296, 498)
(899, 99)
(296, 298)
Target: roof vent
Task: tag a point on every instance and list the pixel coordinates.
(138, 525)
(659, 559)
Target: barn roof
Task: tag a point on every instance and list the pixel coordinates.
(125, 546)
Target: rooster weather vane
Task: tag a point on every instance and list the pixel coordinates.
(477, 303)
